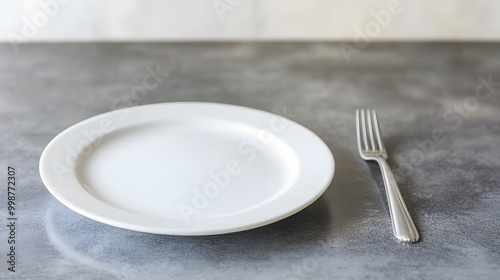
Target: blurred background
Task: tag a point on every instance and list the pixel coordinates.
(207, 20)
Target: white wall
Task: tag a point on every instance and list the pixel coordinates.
(84, 20)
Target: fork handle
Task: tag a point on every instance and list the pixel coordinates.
(402, 225)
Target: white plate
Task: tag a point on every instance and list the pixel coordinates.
(187, 168)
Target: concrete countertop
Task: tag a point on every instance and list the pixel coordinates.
(440, 120)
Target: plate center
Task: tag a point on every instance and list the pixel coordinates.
(189, 168)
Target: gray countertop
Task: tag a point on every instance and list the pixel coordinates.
(440, 119)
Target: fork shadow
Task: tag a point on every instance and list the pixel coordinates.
(350, 194)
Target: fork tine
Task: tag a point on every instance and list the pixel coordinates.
(370, 129)
(363, 129)
(357, 120)
(377, 130)
(358, 132)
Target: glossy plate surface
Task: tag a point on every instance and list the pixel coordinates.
(187, 168)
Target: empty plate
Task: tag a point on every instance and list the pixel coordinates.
(187, 168)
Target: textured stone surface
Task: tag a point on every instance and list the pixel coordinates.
(451, 187)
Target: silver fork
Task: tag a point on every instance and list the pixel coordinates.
(366, 126)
